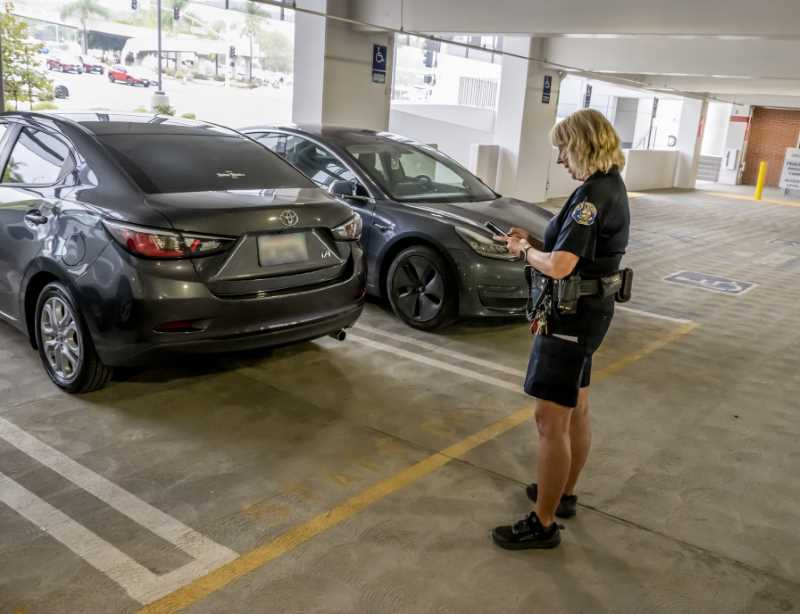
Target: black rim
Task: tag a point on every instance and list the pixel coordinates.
(418, 288)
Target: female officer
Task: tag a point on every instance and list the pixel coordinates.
(588, 237)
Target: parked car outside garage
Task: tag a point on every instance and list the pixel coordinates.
(428, 249)
(127, 237)
(92, 65)
(130, 76)
(65, 64)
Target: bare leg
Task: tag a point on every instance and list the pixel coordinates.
(580, 438)
(552, 421)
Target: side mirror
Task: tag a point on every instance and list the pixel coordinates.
(343, 189)
(348, 189)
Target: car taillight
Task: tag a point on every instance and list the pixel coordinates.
(350, 230)
(164, 244)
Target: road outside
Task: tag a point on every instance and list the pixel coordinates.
(230, 106)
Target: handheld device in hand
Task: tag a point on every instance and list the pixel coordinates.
(496, 229)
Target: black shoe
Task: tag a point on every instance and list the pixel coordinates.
(567, 507)
(527, 533)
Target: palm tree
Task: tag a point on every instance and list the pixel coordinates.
(84, 10)
(252, 28)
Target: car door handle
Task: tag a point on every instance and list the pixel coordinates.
(35, 217)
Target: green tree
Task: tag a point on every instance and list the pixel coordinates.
(23, 79)
(253, 19)
(277, 50)
(83, 10)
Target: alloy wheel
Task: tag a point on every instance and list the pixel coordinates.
(419, 288)
(61, 339)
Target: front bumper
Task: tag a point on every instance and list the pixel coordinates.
(490, 288)
(125, 300)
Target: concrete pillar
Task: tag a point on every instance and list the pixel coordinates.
(733, 150)
(690, 141)
(333, 82)
(523, 124)
(642, 136)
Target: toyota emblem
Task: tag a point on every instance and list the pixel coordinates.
(289, 218)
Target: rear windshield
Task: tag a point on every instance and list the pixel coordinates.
(167, 163)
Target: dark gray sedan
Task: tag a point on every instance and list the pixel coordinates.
(428, 249)
(127, 238)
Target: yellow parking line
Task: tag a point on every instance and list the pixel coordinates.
(772, 201)
(286, 542)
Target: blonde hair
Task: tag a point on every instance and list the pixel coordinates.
(590, 143)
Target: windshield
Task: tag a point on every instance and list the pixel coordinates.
(410, 173)
(166, 163)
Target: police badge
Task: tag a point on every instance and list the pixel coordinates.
(584, 213)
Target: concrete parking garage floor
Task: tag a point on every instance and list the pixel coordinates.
(364, 476)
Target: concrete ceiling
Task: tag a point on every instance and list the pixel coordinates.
(734, 50)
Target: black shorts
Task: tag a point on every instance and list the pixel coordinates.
(561, 363)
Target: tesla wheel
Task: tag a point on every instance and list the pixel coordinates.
(110, 78)
(422, 290)
(64, 343)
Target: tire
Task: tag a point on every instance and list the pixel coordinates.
(65, 345)
(422, 289)
(111, 78)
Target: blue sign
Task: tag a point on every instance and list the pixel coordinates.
(547, 87)
(713, 283)
(380, 59)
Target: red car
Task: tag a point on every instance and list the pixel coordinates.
(65, 64)
(121, 74)
(92, 65)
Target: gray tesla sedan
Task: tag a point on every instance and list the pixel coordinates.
(428, 249)
(125, 238)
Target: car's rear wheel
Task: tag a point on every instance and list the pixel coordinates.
(422, 289)
(65, 345)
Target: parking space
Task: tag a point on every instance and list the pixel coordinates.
(363, 476)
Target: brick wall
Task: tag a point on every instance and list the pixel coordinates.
(771, 132)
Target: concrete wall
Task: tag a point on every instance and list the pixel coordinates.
(560, 183)
(644, 170)
(649, 170)
(453, 128)
(716, 128)
(625, 120)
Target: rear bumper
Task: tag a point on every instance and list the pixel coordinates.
(124, 315)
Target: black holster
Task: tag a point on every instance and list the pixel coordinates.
(540, 286)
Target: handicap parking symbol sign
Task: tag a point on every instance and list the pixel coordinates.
(714, 283)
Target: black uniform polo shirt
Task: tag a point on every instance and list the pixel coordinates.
(593, 225)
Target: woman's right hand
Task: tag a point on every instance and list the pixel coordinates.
(519, 233)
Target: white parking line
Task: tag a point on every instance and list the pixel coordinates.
(460, 356)
(443, 351)
(432, 362)
(650, 314)
(140, 583)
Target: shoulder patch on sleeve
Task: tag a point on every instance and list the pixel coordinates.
(584, 213)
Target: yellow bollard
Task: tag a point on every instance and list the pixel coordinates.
(762, 177)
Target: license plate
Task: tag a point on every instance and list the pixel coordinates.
(276, 250)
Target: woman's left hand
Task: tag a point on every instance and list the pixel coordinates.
(516, 245)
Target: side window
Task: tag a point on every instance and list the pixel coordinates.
(38, 158)
(372, 163)
(318, 163)
(273, 141)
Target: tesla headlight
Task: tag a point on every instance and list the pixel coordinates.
(484, 245)
(350, 230)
